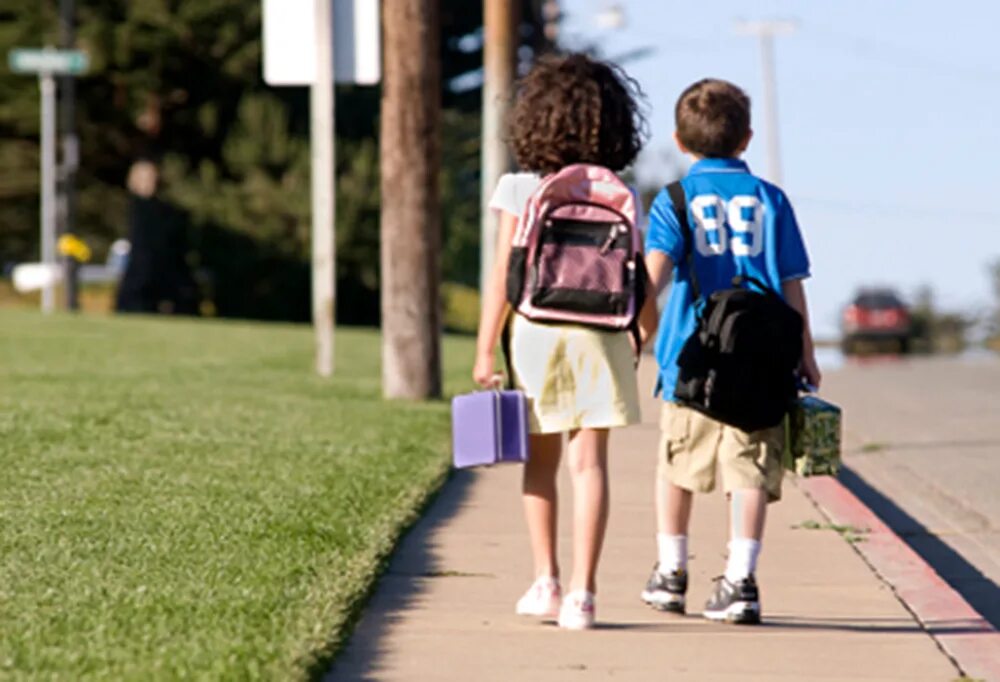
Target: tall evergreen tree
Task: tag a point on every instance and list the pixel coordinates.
(180, 81)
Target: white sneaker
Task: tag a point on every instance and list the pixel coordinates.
(541, 599)
(577, 612)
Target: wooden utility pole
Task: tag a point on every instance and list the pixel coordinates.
(411, 202)
(500, 21)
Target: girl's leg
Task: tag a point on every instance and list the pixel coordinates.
(588, 465)
(540, 508)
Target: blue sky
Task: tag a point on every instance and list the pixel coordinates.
(889, 117)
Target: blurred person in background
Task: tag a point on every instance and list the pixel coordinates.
(157, 278)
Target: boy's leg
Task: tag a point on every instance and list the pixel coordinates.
(748, 511)
(750, 465)
(673, 507)
(673, 516)
(588, 466)
(686, 464)
(540, 502)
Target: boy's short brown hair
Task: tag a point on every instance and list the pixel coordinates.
(713, 118)
(574, 109)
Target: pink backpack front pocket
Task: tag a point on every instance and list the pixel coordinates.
(582, 267)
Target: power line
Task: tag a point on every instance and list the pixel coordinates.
(890, 211)
(901, 56)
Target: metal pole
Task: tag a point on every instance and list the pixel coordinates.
(47, 84)
(70, 151)
(765, 32)
(323, 196)
(770, 107)
(498, 78)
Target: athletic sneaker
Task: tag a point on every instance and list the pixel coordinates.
(666, 591)
(577, 612)
(734, 603)
(541, 599)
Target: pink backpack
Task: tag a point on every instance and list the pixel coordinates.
(577, 252)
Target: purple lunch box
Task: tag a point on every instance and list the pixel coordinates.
(489, 427)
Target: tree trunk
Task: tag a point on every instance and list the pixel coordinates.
(411, 203)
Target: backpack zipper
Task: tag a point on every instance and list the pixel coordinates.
(612, 233)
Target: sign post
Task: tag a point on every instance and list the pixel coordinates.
(324, 197)
(48, 63)
(346, 48)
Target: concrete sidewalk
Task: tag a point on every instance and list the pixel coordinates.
(444, 610)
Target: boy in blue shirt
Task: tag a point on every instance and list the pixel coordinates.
(740, 225)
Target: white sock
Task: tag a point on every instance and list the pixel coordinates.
(672, 551)
(743, 553)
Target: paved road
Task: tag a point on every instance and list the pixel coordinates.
(922, 441)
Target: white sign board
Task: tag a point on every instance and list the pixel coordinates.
(289, 38)
(68, 62)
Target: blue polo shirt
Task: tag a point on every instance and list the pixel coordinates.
(740, 225)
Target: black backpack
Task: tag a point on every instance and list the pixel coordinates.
(739, 365)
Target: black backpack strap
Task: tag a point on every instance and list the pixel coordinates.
(505, 349)
(739, 280)
(641, 292)
(679, 199)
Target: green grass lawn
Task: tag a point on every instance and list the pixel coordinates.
(184, 499)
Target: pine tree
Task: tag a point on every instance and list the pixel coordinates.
(180, 81)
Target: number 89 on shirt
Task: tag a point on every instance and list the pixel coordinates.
(721, 225)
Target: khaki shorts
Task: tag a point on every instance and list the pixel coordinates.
(693, 446)
(574, 377)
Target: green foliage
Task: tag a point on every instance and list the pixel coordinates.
(179, 80)
(994, 318)
(851, 534)
(22, 24)
(935, 331)
(184, 500)
(461, 307)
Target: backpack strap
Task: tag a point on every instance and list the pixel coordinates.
(679, 199)
(641, 292)
(505, 348)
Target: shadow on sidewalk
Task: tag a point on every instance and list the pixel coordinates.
(412, 563)
(675, 625)
(875, 625)
(977, 589)
(950, 444)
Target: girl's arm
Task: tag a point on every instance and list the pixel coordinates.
(494, 305)
(795, 295)
(659, 266)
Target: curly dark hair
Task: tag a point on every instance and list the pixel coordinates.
(574, 109)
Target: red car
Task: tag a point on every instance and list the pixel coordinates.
(876, 317)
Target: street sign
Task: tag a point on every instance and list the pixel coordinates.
(57, 62)
(47, 63)
(289, 42)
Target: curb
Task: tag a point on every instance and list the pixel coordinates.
(966, 637)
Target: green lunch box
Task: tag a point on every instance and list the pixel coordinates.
(813, 437)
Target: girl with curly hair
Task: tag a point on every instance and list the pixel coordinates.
(579, 380)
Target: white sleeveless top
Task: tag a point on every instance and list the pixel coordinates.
(514, 189)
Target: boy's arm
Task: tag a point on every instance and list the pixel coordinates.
(658, 266)
(795, 295)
